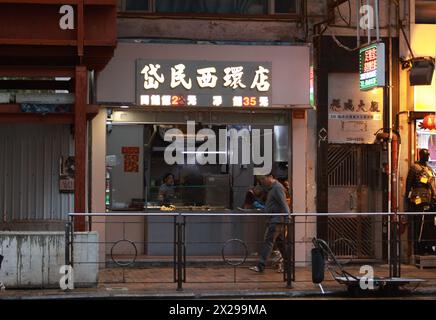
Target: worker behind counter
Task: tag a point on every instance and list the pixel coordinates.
(166, 191)
(255, 198)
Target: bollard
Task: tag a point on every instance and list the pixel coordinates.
(318, 265)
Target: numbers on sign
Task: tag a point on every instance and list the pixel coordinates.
(174, 100)
(249, 101)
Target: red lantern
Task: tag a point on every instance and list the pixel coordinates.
(429, 122)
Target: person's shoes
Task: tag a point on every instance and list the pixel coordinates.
(276, 259)
(280, 268)
(256, 269)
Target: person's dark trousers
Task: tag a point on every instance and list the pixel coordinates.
(424, 245)
(274, 233)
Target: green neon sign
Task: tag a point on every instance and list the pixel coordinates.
(372, 66)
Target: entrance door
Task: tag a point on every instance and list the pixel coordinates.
(353, 179)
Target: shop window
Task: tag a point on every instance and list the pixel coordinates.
(425, 11)
(137, 5)
(245, 7)
(426, 139)
(141, 172)
(283, 7)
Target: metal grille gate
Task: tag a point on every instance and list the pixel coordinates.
(349, 237)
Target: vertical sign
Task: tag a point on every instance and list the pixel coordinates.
(131, 159)
(312, 87)
(372, 66)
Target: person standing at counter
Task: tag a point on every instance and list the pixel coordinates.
(254, 198)
(275, 203)
(166, 191)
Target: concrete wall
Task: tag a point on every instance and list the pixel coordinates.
(344, 30)
(303, 184)
(34, 259)
(204, 29)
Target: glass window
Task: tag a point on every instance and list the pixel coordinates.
(212, 6)
(284, 6)
(426, 139)
(239, 7)
(141, 172)
(425, 11)
(137, 5)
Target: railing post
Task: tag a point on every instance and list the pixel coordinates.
(175, 248)
(72, 241)
(67, 243)
(293, 246)
(289, 259)
(179, 253)
(184, 248)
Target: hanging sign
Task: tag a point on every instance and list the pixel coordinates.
(372, 66)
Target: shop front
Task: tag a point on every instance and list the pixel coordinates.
(421, 135)
(188, 127)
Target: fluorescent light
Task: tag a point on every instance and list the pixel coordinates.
(203, 152)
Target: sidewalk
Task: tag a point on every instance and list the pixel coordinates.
(215, 282)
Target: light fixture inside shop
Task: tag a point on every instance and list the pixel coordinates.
(421, 72)
(204, 152)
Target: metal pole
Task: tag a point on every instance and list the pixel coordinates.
(179, 257)
(288, 259)
(67, 244)
(175, 249)
(184, 248)
(377, 28)
(389, 88)
(369, 26)
(358, 22)
(72, 242)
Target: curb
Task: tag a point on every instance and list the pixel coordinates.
(206, 295)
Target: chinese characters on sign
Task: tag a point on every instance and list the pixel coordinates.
(131, 159)
(354, 116)
(372, 66)
(203, 83)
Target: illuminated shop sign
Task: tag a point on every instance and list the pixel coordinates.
(372, 66)
(203, 83)
(311, 87)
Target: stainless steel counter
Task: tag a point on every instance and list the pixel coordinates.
(205, 233)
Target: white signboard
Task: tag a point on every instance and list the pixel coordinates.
(287, 84)
(354, 116)
(203, 83)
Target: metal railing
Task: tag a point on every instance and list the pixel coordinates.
(183, 241)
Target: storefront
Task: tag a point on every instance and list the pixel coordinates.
(212, 116)
(421, 131)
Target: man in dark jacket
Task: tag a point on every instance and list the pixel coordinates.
(275, 203)
(420, 197)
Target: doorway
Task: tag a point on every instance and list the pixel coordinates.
(354, 182)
